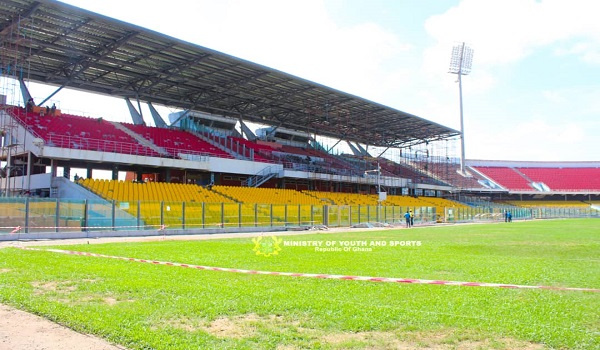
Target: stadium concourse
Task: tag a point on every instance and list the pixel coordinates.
(248, 147)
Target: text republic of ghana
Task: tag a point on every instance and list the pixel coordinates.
(350, 245)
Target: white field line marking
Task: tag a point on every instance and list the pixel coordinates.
(321, 276)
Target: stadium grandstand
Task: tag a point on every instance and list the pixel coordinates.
(247, 146)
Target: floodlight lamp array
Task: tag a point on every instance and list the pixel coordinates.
(461, 60)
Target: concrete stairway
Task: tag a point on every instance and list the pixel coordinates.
(140, 139)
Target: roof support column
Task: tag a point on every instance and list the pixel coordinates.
(246, 130)
(362, 150)
(158, 120)
(183, 115)
(52, 94)
(135, 115)
(24, 91)
(272, 131)
(353, 148)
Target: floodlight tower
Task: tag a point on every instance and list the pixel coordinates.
(460, 64)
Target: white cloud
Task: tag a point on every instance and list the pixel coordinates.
(553, 96)
(296, 37)
(579, 102)
(503, 32)
(519, 124)
(506, 31)
(300, 38)
(588, 51)
(529, 140)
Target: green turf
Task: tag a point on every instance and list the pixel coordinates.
(145, 306)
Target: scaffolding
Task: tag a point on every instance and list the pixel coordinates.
(13, 70)
(428, 162)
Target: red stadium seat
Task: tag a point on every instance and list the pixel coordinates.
(506, 177)
(565, 179)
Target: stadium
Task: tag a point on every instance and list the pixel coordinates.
(247, 149)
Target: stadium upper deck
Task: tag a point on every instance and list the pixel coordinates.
(67, 46)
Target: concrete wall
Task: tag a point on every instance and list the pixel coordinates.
(67, 189)
(33, 182)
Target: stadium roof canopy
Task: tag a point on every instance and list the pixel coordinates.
(63, 45)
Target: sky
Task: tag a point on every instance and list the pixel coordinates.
(533, 92)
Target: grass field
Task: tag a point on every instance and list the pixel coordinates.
(144, 306)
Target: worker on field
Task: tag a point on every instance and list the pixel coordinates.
(407, 217)
(412, 218)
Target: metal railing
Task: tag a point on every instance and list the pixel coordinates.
(110, 146)
(47, 215)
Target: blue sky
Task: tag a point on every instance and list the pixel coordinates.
(534, 90)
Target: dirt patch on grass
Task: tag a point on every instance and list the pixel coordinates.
(62, 291)
(114, 301)
(243, 326)
(98, 298)
(43, 287)
(237, 327)
(225, 327)
(374, 340)
(288, 347)
(110, 301)
(250, 325)
(184, 323)
(5, 270)
(435, 340)
(63, 287)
